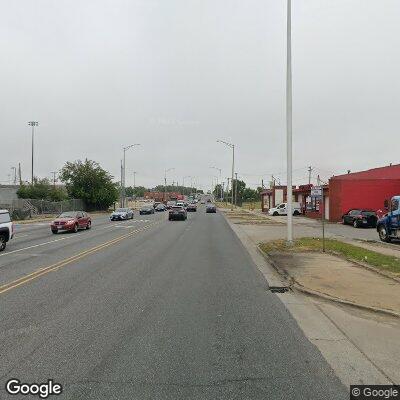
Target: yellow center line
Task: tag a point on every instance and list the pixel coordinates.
(44, 270)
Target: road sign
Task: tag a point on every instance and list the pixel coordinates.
(316, 191)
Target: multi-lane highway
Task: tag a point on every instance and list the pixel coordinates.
(150, 309)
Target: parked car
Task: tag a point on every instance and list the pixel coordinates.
(191, 207)
(388, 226)
(211, 208)
(155, 204)
(71, 221)
(180, 204)
(177, 213)
(145, 210)
(360, 218)
(170, 204)
(281, 209)
(6, 229)
(161, 207)
(121, 214)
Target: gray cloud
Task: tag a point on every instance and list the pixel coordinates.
(175, 76)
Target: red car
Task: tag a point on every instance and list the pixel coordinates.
(71, 221)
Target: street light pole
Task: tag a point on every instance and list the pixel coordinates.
(289, 192)
(33, 124)
(124, 169)
(235, 189)
(220, 180)
(165, 182)
(183, 183)
(232, 146)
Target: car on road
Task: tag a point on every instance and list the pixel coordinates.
(71, 221)
(161, 207)
(146, 210)
(360, 218)
(177, 213)
(170, 204)
(281, 209)
(121, 214)
(191, 207)
(211, 208)
(6, 229)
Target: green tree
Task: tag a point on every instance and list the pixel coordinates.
(138, 191)
(239, 187)
(41, 189)
(250, 194)
(86, 180)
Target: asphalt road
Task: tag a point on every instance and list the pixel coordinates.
(150, 309)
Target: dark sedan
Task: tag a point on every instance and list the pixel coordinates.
(211, 208)
(177, 213)
(71, 221)
(161, 207)
(360, 218)
(146, 210)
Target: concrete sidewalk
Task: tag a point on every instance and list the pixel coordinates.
(340, 280)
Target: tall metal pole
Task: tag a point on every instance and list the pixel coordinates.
(123, 180)
(289, 192)
(54, 178)
(122, 177)
(123, 173)
(235, 189)
(233, 169)
(33, 124)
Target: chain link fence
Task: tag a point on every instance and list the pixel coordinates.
(30, 208)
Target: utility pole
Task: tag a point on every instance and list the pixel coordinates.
(33, 124)
(236, 189)
(183, 184)
(165, 182)
(54, 178)
(19, 174)
(289, 190)
(232, 146)
(220, 179)
(309, 174)
(123, 173)
(14, 170)
(227, 190)
(121, 186)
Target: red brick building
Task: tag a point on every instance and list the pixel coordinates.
(162, 196)
(366, 189)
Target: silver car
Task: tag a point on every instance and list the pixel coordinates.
(121, 214)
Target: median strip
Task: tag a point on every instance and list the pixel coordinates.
(44, 270)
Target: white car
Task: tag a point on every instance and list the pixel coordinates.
(180, 204)
(6, 228)
(281, 209)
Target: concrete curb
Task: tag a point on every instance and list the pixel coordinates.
(296, 285)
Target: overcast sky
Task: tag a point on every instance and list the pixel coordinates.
(176, 75)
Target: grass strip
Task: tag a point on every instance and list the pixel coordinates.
(333, 246)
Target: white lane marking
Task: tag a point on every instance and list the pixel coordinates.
(35, 245)
(69, 237)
